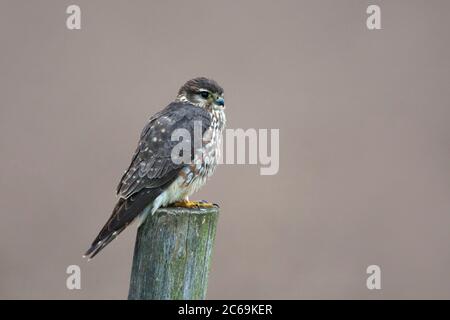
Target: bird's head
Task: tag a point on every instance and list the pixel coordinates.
(202, 92)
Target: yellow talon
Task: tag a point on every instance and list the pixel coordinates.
(204, 204)
(193, 204)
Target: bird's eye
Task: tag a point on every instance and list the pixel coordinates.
(204, 94)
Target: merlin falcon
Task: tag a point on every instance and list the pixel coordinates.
(153, 178)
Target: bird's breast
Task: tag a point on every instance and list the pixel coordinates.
(207, 156)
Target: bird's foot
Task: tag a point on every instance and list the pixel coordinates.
(193, 204)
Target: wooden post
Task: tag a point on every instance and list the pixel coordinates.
(172, 254)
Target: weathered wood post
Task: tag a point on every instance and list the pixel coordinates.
(172, 254)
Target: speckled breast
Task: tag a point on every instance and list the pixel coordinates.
(207, 157)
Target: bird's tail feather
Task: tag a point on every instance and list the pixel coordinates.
(124, 213)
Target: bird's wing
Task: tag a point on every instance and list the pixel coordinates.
(152, 164)
(151, 169)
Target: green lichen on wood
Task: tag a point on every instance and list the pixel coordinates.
(172, 254)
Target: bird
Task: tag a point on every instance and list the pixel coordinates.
(156, 176)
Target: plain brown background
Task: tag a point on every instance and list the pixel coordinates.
(364, 141)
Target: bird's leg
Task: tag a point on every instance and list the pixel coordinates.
(185, 203)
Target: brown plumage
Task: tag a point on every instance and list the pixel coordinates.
(153, 178)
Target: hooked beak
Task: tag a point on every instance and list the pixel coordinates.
(220, 102)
